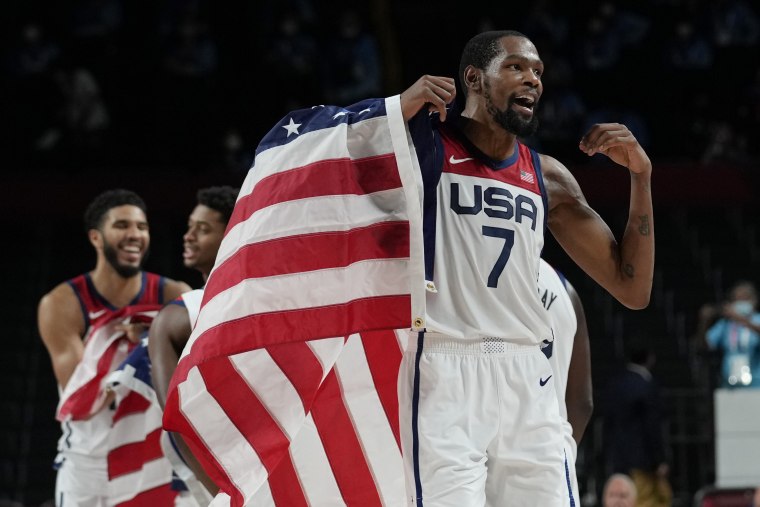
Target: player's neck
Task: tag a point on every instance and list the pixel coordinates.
(116, 289)
(488, 136)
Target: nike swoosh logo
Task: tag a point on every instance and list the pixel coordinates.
(95, 315)
(543, 382)
(459, 160)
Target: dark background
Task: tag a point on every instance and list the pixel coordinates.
(170, 96)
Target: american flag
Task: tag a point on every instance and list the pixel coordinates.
(138, 472)
(527, 177)
(286, 390)
(105, 348)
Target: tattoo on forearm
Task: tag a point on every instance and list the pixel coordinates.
(628, 270)
(644, 225)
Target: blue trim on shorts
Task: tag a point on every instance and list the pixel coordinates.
(415, 419)
(567, 480)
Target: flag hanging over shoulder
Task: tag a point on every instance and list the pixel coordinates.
(325, 241)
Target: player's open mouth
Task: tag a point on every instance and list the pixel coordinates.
(524, 104)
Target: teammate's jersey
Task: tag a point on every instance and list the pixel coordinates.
(556, 300)
(483, 245)
(89, 437)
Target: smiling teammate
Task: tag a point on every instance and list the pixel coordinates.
(117, 228)
(479, 416)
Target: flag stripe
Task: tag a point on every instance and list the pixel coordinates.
(384, 360)
(342, 446)
(300, 367)
(130, 457)
(328, 213)
(325, 177)
(326, 144)
(133, 403)
(245, 411)
(236, 463)
(312, 289)
(313, 467)
(151, 475)
(284, 485)
(255, 331)
(379, 444)
(310, 252)
(80, 403)
(272, 388)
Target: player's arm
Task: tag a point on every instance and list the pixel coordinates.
(61, 326)
(168, 335)
(435, 92)
(174, 289)
(579, 392)
(626, 268)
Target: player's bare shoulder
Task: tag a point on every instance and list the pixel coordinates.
(561, 186)
(60, 309)
(174, 288)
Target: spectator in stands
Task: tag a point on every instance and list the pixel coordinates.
(633, 436)
(619, 491)
(737, 335)
(756, 499)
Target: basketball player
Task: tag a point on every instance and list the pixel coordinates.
(570, 360)
(117, 228)
(479, 416)
(172, 326)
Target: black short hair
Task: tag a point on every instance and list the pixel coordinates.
(221, 199)
(97, 209)
(481, 49)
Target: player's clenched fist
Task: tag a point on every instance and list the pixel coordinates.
(434, 91)
(619, 144)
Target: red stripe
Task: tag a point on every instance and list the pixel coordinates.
(285, 486)
(384, 357)
(342, 446)
(308, 252)
(80, 402)
(133, 403)
(160, 496)
(131, 457)
(262, 330)
(327, 177)
(299, 364)
(245, 411)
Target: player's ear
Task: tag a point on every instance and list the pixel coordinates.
(95, 237)
(473, 79)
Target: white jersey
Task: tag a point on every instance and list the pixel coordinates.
(87, 437)
(564, 324)
(489, 236)
(192, 302)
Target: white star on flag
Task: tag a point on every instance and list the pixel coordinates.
(292, 127)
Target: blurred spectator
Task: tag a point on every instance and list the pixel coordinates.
(236, 158)
(689, 49)
(756, 498)
(725, 144)
(544, 23)
(351, 64)
(293, 59)
(96, 19)
(735, 23)
(600, 48)
(191, 52)
(34, 53)
(633, 429)
(627, 26)
(619, 491)
(735, 335)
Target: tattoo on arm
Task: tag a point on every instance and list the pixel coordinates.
(644, 225)
(628, 270)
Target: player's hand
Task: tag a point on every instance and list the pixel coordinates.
(434, 91)
(619, 144)
(133, 331)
